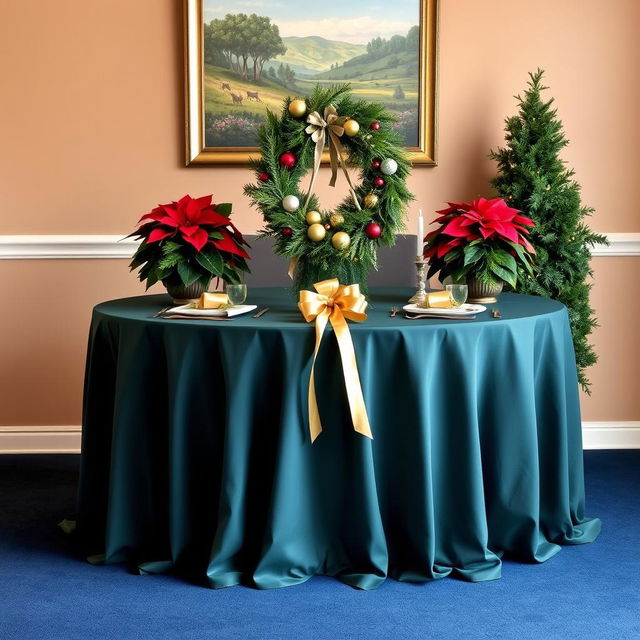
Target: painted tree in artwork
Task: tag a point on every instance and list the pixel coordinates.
(238, 40)
(533, 178)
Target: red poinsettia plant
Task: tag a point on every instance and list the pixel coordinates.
(189, 241)
(484, 239)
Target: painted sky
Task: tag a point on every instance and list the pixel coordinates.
(355, 21)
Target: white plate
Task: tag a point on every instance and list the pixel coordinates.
(190, 310)
(465, 309)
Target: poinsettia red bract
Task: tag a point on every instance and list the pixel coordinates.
(483, 218)
(192, 220)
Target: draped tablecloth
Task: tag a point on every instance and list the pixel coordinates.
(196, 454)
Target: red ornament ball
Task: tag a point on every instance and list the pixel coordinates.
(287, 231)
(264, 177)
(287, 160)
(373, 230)
(376, 164)
(378, 182)
(375, 125)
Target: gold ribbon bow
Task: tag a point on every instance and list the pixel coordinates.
(333, 303)
(319, 128)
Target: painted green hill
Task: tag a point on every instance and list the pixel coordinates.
(313, 54)
(402, 64)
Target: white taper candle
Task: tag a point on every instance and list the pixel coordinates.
(420, 244)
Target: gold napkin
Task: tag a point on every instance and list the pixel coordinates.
(437, 299)
(212, 300)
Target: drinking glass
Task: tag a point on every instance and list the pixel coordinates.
(237, 293)
(457, 293)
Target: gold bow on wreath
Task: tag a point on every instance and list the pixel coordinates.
(319, 128)
(334, 303)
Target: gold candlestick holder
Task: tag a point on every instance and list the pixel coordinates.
(421, 267)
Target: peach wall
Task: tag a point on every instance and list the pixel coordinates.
(91, 122)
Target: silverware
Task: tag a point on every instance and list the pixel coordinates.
(178, 316)
(163, 310)
(440, 316)
(260, 313)
(393, 312)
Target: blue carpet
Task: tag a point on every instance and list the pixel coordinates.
(47, 592)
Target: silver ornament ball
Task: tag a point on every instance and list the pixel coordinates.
(290, 203)
(388, 166)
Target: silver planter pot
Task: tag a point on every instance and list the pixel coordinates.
(481, 292)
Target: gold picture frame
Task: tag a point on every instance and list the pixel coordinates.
(198, 154)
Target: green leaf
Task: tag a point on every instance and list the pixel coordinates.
(188, 274)
(136, 262)
(152, 278)
(503, 274)
(231, 277)
(459, 273)
(241, 264)
(205, 280)
(519, 249)
(211, 261)
(473, 254)
(224, 209)
(454, 254)
(505, 259)
(215, 235)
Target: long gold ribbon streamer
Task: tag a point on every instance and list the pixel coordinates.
(292, 266)
(335, 303)
(319, 128)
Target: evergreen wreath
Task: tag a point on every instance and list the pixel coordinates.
(341, 243)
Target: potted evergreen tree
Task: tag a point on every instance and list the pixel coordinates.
(533, 178)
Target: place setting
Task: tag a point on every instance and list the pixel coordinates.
(448, 304)
(216, 306)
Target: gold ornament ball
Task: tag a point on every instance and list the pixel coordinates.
(370, 200)
(336, 219)
(327, 226)
(340, 240)
(313, 217)
(297, 108)
(316, 232)
(351, 128)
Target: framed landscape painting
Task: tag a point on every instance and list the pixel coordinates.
(245, 56)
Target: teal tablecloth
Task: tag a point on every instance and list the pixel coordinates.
(196, 454)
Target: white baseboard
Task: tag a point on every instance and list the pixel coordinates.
(66, 439)
(25, 439)
(611, 435)
(47, 247)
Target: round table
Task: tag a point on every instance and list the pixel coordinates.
(196, 455)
